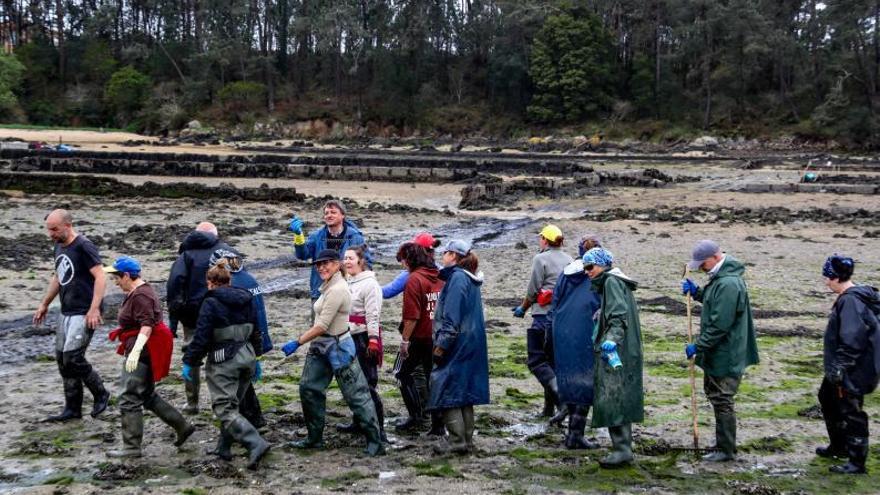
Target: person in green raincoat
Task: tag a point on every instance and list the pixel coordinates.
(727, 344)
(617, 342)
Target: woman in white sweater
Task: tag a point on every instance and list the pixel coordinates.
(363, 322)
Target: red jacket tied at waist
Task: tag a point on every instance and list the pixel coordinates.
(160, 346)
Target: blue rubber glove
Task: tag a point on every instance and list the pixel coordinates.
(519, 312)
(609, 346)
(690, 350)
(258, 373)
(290, 347)
(186, 372)
(296, 225)
(689, 287)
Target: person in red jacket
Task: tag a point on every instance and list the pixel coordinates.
(420, 296)
(146, 343)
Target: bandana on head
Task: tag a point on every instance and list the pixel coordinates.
(835, 264)
(598, 256)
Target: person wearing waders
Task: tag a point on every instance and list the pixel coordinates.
(364, 323)
(79, 279)
(249, 407)
(337, 234)
(184, 291)
(852, 361)
(147, 344)
(727, 344)
(618, 399)
(572, 322)
(332, 353)
(419, 300)
(546, 267)
(227, 333)
(460, 379)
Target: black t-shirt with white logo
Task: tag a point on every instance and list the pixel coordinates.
(335, 242)
(72, 265)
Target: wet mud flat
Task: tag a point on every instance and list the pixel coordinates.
(779, 425)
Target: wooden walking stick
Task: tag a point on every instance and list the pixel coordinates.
(691, 365)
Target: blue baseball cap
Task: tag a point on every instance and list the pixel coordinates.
(457, 246)
(124, 264)
(702, 251)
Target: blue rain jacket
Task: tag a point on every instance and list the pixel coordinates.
(571, 315)
(462, 377)
(317, 242)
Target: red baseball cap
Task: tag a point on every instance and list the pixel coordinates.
(426, 241)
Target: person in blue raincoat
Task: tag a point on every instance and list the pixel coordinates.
(460, 379)
(571, 315)
(249, 406)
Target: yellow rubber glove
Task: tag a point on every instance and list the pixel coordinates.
(299, 239)
(134, 356)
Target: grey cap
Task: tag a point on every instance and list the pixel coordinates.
(594, 238)
(457, 246)
(703, 250)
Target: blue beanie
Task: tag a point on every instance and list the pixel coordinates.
(598, 256)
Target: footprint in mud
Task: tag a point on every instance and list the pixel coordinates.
(214, 468)
(121, 472)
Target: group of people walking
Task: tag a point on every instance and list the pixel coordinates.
(584, 344)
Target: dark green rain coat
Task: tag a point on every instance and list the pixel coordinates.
(619, 396)
(727, 344)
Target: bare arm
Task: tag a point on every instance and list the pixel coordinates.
(51, 292)
(93, 317)
(409, 326)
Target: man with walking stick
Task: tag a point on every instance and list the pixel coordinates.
(727, 344)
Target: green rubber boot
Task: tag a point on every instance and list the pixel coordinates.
(621, 447)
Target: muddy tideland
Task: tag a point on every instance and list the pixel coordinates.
(142, 201)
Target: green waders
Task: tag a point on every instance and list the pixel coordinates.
(721, 390)
(191, 387)
(139, 393)
(316, 377)
(227, 383)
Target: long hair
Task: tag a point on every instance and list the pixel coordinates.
(469, 262)
(415, 256)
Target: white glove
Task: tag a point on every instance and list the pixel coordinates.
(134, 356)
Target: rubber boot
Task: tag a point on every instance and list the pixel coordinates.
(456, 443)
(562, 411)
(725, 439)
(837, 445)
(621, 447)
(249, 407)
(314, 416)
(192, 391)
(132, 435)
(577, 424)
(244, 433)
(467, 414)
(549, 403)
(171, 417)
(438, 426)
(412, 401)
(96, 387)
(224, 446)
(374, 442)
(857, 449)
(73, 398)
(350, 427)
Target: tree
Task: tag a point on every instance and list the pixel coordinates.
(126, 93)
(11, 74)
(572, 69)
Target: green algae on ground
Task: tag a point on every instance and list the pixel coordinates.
(436, 469)
(345, 479)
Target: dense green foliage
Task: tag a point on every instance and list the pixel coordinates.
(11, 72)
(126, 93)
(737, 66)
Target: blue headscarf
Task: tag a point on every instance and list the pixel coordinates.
(838, 266)
(598, 256)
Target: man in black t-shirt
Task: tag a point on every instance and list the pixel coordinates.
(79, 279)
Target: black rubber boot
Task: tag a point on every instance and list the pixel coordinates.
(224, 446)
(857, 448)
(577, 424)
(438, 426)
(549, 404)
(73, 398)
(249, 407)
(412, 401)
(96, 387)
(351, 427)
(244, 433)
